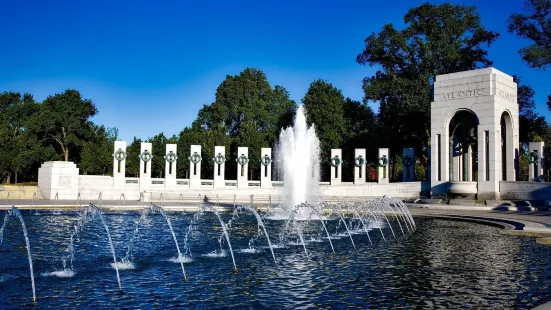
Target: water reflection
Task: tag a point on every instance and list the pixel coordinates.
(444, 264)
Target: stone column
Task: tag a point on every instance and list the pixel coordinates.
(359, 166)
(266, 167)
(383, 175)
(170, 164)
(119, 163)
(195, 166)
(535, 153)
(146, 154)
(469, 162)
(219, 166)
(242, 167)
(456, 160)
(336, 166)
(429, 163)
(408, 164)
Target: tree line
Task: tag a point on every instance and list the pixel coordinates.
(249, 111)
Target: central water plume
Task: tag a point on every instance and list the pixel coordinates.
(298, 162)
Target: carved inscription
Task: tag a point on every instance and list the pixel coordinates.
(505, 95)
(64, 182)
(519, 190)
(412, 189)
(461, 94)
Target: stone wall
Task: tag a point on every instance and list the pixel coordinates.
(525, 190)
(19, 192)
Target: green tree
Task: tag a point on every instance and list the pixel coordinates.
(438, 39)
(133, 158)
(361, 132)
(186, 138)
(18, 156)
(64, 121)
(530, 122)
(324, 105)
(97, 152)
(536, 27)
(246, 112)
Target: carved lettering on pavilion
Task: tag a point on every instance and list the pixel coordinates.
(505, 95)
(461, 94)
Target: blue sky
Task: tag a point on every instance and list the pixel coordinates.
(149, 66)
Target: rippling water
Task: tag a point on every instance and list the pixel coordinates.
(444, 264)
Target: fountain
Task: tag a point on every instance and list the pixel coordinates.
(87, 214)
(14, 212)
(299, 164)
(126, 262)
(260, 224)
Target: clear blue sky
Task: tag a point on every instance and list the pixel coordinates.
(149, 66)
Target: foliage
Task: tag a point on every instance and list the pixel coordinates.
(324, 106)
(438, 39)
(361, 133)
(158, 144)
(531, 125)
(247, 112)
(97, 152)
(536, 27)
(420, 173)
(133, 158)
(64, 121)
(21, 151)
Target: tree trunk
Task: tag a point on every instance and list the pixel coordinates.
(8, 178)
(66, 154)
(15, 176)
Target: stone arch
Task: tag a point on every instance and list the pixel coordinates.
(462, 133)
(508, 156)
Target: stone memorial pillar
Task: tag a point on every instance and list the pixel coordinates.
(408, 165)
(336, 166)
(359, 166)
(266, 167)
(119, 163)
(242, 167)
(146, 154)
(58, 177)
(383, 175)
(170, 164)
(535, 156)
(195, 166)
(219, 160)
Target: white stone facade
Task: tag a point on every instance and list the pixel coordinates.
(359, 166)
(383, 175)
(266, 168)
(489, 94)
(336, 166)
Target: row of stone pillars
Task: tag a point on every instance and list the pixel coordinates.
(219, 163)
(195, 161)
(360, 169)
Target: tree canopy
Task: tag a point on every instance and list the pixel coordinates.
(438, 39)
(534, 25)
